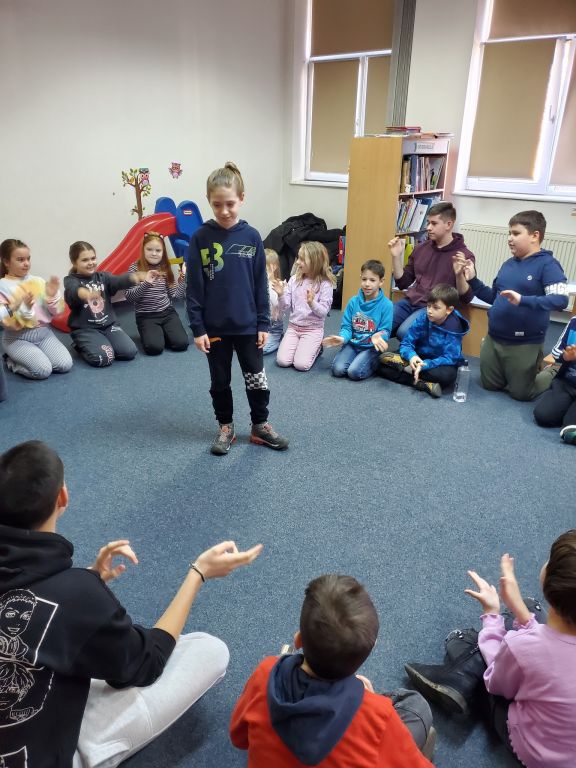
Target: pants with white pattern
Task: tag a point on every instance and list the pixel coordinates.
(118, 723)
(35, 353)
(251, 361)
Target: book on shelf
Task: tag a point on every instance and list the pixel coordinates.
(412, 213)
(402, 130)
(420, 173)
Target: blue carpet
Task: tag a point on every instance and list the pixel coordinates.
(380, 481)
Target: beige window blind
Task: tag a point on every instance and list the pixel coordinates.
(343, 26)
(510, 108)
(333, 115)
(564, 168)
(377, 94)
(524, 18)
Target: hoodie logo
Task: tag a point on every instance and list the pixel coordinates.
(529, 277)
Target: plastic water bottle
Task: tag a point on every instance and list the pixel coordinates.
(461, 386)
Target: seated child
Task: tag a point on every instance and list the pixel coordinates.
(308, 297)
(63, 632)
(431, 350)
(276, 332)
(557, 407)
(530, 672)
(526, 289)
(365, 327)
(312, 708)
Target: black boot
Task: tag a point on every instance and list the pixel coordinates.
(456, 686)
(458, 642)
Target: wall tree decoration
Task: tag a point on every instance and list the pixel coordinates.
(139, 178)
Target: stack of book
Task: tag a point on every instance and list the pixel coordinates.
(402, 130)
(420, 173)
(412, 213)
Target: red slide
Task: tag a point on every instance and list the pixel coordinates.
(127, 252)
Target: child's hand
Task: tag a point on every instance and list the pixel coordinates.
(103, 563)
(569, 353)
(139, 277)
(397, 245)
(310, 296)
(262, 339)
(469, 270)
(513, 297)
(89, 296)
(379, 343)
(510, 591)
(486, 595)
(202, 343)
(182, 274)
(279, 286)
(152, 275)
(458, 262)
(52, 287)
(20, 296)
(332, 341)
(366, 683)
(416, 365)
(224, 558)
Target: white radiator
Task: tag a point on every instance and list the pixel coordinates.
(490, 246)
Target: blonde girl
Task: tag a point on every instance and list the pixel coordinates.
(156, 319)
(276, 321)
(229, 310)
(308, 297)
(29, 303)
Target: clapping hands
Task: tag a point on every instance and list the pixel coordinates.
(463, 266)
(52, 287)
(510, 593)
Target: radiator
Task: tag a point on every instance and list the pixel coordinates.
(490, 246)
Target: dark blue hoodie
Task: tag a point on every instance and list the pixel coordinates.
(308, 714)
(227, 285)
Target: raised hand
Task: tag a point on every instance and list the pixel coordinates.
(104, 560)
(513, 297)
(397, 245)
(510, 591)
(310, 296)
(569, 353)
(224, 558)
(469, 270)
(487, 595)
(152, 275)
(332, 341)
(52, 286)
(279, 286)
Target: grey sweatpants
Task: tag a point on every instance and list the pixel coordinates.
(35, 352)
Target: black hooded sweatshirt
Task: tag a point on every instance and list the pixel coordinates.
(59, 627)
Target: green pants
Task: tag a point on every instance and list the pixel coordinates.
(514, 368)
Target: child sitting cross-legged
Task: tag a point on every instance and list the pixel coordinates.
(431, 351)
(312, 708)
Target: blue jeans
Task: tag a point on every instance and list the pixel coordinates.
(274, 339)
(355, 363)
(3, 389)
(404, 315)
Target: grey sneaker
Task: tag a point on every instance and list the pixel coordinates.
(264, 434)
(223, 440)
(568, 434)
(433, 389)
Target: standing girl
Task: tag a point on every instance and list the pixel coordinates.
(31, 347)
(276, 321)
(228, 307)
(308, 296)
(95, 332)
(156, 319)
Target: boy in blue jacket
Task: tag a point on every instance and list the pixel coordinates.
(365, 328)
(527, 288)
(431, 351)
(557, 408)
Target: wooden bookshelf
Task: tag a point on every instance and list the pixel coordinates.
(374, 193)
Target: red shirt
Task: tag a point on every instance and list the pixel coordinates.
(376, 737)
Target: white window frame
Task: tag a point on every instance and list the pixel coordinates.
(303, 86)
(540, 187)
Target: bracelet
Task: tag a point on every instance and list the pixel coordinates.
(198, 571)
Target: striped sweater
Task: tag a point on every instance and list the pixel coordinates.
(156, 296)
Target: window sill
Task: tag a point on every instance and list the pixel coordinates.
(318, 183)
(515, 196)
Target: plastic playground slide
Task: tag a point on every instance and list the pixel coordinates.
(127, 252)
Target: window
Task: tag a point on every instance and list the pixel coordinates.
(347, 74)
(521, 106)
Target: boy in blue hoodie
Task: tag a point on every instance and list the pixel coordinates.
(365, 328)
(312, 708)
(431, 351)
(526, 289)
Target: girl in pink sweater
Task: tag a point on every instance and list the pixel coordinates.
(308, 296)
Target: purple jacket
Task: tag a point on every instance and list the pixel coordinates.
(429, 265)
(534, 667)
(294, 299)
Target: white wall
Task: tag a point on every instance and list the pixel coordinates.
(441, 50)
(90, 89)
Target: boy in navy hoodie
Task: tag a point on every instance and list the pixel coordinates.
(527, 288)
(365, 327)
(431, 351)
(312, 708)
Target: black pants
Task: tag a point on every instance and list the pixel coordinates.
(101, 346)
(443, 375)
(161, 329)
(557, 406)
(251, 362)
